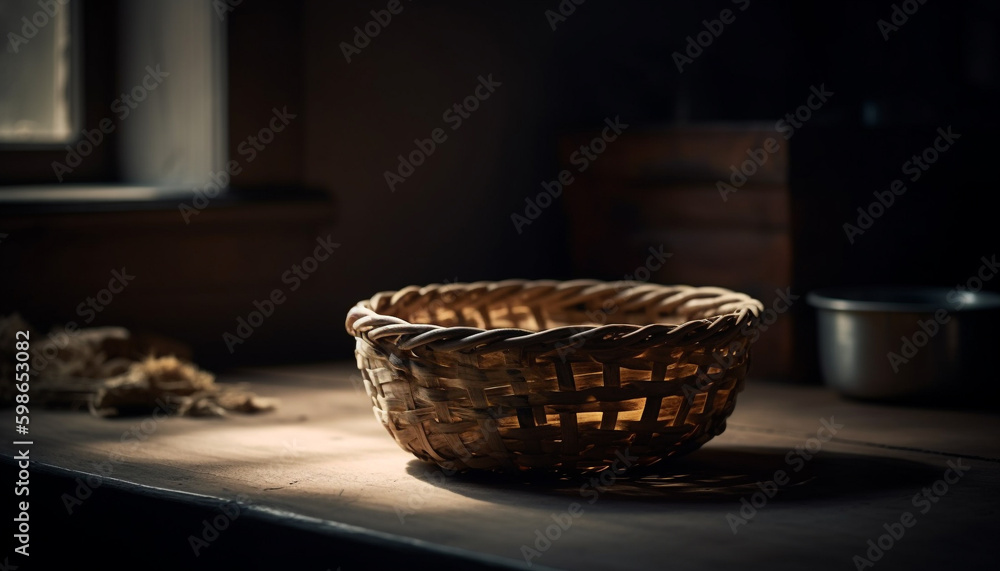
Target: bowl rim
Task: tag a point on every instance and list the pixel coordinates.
(878, 298)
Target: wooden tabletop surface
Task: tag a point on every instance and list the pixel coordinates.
(801, 479)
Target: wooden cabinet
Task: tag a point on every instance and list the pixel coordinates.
(665, 189)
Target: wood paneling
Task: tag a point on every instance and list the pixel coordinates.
(191, 282)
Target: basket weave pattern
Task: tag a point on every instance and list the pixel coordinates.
(526, 374)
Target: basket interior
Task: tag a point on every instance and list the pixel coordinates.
(532, 317)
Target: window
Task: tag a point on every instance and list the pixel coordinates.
(38, 94)
(112, 92)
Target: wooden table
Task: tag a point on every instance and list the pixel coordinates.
(322, 462)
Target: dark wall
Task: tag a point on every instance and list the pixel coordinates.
(451, 220)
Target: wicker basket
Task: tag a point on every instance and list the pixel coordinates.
(566, 376)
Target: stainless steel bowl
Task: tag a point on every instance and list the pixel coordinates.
(895, 343)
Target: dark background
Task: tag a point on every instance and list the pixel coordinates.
(452, 219)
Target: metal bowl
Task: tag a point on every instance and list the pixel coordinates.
(903, 343)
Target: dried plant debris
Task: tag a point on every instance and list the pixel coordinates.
(9, 326)
(98, 369)
(82, 355)
(182, 386)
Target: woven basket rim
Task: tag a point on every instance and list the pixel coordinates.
(729, 312)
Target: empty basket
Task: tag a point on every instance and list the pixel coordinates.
(567, 376)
